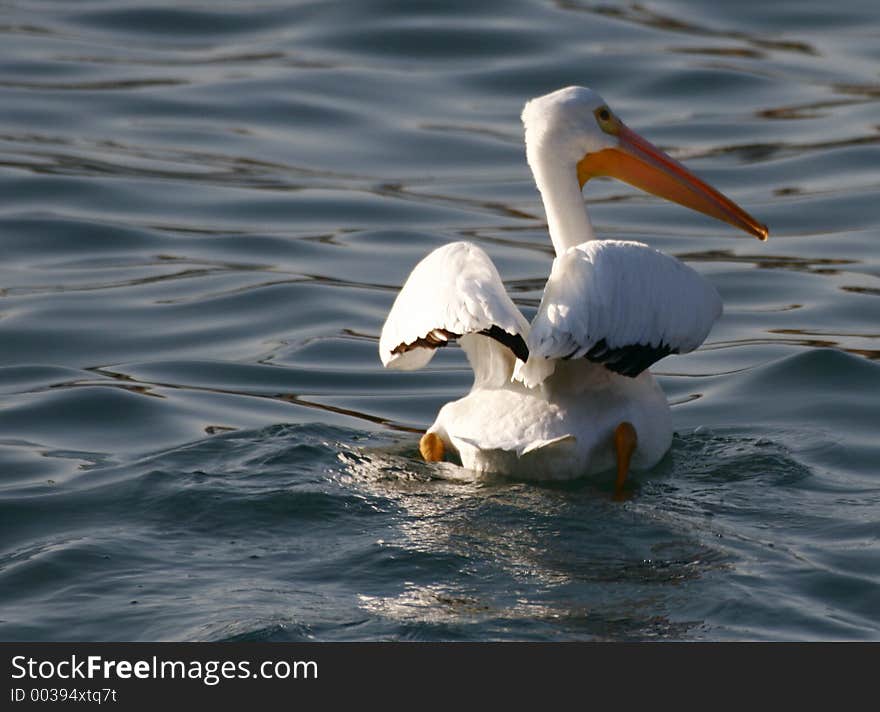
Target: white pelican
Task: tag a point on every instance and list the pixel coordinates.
(570, 394)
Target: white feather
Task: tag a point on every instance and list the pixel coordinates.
(456, 288)
(625, 293)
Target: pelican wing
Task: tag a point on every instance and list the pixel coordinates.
(453, 292)
(622, 304)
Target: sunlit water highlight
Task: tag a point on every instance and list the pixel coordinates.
(207, 209)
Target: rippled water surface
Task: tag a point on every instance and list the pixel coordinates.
(206, 209)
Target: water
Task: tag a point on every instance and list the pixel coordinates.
(206, 211)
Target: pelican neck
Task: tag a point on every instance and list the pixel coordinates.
(567, 218)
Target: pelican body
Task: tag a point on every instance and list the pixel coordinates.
(569, 394)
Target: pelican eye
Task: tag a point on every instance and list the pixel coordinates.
(607, 121)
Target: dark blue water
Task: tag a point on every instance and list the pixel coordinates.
(206, 210)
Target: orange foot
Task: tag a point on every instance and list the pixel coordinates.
(431, 447)
(625, 441)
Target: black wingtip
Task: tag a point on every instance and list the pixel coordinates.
(628, 360)
(429, 341)
(514, 342)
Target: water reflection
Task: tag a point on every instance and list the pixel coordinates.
(743, 52)
(208, 213)
(550, 543)
(93, 157)
(862, 290)
(641, 14)
(813, 265)
(110, 85)
(809, 110)
(759, 152)
(137, 385)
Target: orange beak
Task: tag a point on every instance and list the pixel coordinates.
(643, 165)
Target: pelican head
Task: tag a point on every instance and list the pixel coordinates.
(575, 128)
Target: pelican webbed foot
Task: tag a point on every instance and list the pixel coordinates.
(625, 441)
(432, 448)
